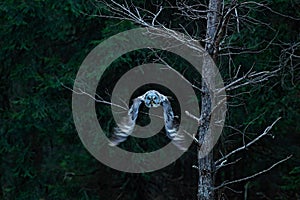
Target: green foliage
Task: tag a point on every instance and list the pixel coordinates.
(292, 180)
(43, 44)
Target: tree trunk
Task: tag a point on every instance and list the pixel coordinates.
(206, 164)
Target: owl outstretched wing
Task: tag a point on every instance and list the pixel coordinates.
(126, 127)
(171, 126)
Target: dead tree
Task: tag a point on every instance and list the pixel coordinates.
(206, 164)
(220, 18)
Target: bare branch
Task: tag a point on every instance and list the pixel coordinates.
(156, 15)
(254, 175)
(237, 20)
(266, 131)
(82, 92)
(179, 74)
(192, 116)
(270, 9)
(224, 164)
(192, 136)
(250, 78)
(100, 100)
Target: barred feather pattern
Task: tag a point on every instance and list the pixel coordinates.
(125, 128)
(171, 126)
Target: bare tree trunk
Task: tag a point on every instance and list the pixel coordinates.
(206, 164)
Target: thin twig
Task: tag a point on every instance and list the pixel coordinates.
(249, 144)
(254, 175)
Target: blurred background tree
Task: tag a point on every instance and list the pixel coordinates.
(43, 44)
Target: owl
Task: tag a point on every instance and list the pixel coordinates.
(152, 98)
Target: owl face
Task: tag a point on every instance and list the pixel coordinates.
(152, 99)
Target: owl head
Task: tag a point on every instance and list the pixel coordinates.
(152, 99)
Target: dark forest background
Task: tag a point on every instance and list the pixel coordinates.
(43, 44)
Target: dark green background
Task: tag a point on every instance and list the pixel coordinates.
(43, 44)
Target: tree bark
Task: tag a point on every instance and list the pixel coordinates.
(206, 164)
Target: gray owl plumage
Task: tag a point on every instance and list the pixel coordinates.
(151, 98)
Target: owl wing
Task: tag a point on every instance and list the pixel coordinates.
(171, 126)
(126, 127)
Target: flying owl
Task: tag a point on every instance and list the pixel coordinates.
(154, 99)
